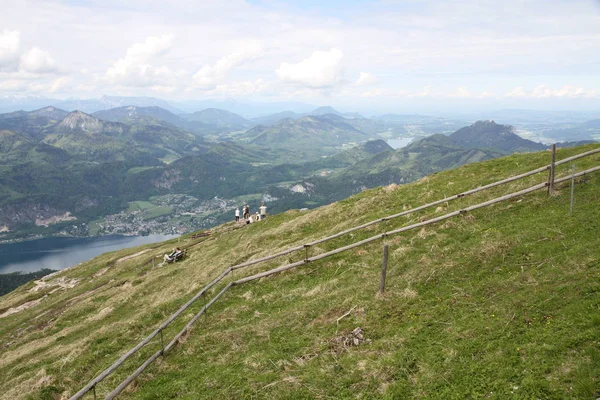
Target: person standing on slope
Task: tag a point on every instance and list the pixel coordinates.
(263, 210)
(237, 215)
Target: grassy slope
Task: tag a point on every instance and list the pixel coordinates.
(500, 303)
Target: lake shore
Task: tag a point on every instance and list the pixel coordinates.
(62, 252)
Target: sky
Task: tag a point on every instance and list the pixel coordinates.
(390, 55)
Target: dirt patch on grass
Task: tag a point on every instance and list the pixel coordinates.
(101, 272)
(103, 313)
(22, 307)
(129, 257)
(390, 188)
(60, 283)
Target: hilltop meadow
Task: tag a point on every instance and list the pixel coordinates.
(499, 303)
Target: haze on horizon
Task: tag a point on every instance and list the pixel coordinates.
(358, 55)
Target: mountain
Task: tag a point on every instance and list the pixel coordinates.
(421, 158)
(480, 141)
(489, 135)
(275, 118)
(330, 110)
(419, 125)
(584, 131)
(325, 110)
(12, 103)
(108, 102)
(50, 112)
(134, 114)
(32, 124)
(128, 113)
(218, 118)
(247, 109)
(80, 165)
(79, 122)
(308, 136)
(499, 301)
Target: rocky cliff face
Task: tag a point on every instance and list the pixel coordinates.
(78, 121)
(30, 213)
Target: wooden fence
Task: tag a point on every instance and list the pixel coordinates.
(91, 386)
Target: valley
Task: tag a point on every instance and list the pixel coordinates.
(135, 170)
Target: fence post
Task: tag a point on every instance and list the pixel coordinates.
(383, 269)
(162, 344)
(572, 187)
(551, 174)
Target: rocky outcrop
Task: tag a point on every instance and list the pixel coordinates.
(27, 213)
(168, 179)
(54, 219)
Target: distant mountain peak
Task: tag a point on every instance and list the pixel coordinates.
(489, 134)
(218, 117)
(50, 112)
(80, 121)
(325, 110)
(46, 109)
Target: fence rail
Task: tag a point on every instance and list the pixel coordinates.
(91, 386)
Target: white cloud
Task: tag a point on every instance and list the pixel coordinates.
(12, 85)
(37, 61)
(373, 93)
(460, 93)
(365, 78)
(209, 76)
(322, 69)
(516, 92)
(545, 92)
(163, 89)
(58, 84)
(243, 88)
(9, 47)
(135, 69)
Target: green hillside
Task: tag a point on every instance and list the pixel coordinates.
(498, 303)
(309, 137)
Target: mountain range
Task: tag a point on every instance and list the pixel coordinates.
(127, 154)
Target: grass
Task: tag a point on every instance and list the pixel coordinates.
(136, 170)
(157, 212)
(94, 226)
(169, 158)
(499, 303)
(247, 198)
(149, 210)
(140, 205)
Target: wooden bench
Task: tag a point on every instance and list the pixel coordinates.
(178, 256)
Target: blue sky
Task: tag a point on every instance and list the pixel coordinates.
(424, 55)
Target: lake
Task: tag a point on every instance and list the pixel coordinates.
(399, 142)
(63, 252)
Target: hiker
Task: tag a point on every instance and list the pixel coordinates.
(171, 256)
(257, 216)
(246, 211)
(249, 220)
(263, 210)
(237, 215)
